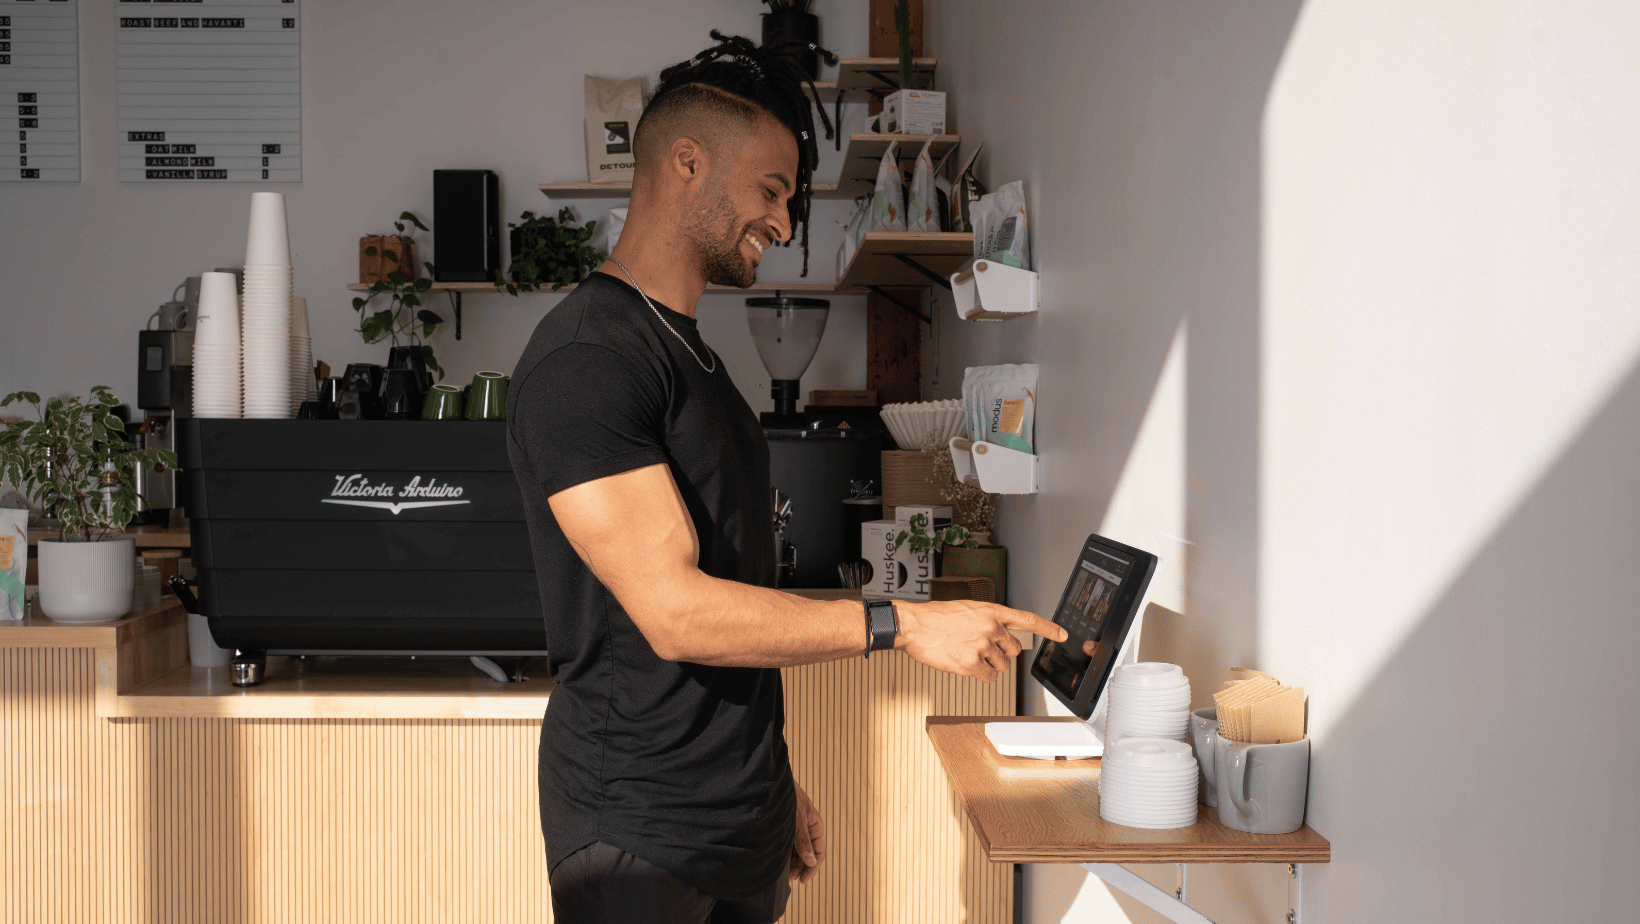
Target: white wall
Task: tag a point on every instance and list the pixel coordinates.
(1349, 291)
(391, 91)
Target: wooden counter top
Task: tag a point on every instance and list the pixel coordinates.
(142, 670)
(146, 537)
(343, 688)
(1038, 811)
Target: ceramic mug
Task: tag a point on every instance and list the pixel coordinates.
(1204, 727)
(1262, 787)
(443, 403)
(487, 397)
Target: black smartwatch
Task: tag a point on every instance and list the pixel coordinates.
(882, 626)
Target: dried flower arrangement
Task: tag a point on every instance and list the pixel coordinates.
(971, 507)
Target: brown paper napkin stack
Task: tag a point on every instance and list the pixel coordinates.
(1255, 707)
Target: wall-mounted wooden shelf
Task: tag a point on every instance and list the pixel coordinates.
(878, 73)
(900, 258)
(803, 287)
(622, 190)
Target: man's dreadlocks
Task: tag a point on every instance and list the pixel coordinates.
(770, 77)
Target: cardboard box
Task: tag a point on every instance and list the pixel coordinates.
(937, 515)
(895, 572)
(914, 112)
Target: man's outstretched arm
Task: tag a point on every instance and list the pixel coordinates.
(634, 532)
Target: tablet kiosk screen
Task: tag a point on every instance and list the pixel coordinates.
(1085, 612)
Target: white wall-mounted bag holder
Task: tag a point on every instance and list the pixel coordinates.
(986, 290)
(996, 469)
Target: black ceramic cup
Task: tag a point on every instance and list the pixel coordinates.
(402, 395)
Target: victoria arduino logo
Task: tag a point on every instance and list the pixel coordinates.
(355, 491)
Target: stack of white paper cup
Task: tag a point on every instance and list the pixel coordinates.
(1148, 783)
(303, 386)
(1148, 700)
(218, 379)
(267, 328)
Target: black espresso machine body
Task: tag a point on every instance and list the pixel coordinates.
(382, 537)
(818, 474)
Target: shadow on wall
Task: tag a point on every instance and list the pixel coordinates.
(1498, 744)
(1142, 155)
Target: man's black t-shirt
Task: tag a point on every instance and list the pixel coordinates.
(681, 764)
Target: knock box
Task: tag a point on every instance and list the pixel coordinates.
(384, 537)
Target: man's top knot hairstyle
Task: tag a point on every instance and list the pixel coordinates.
(769, 77)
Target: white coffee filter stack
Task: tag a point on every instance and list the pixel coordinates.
(303, 386)
(1148, 783)
(266, 330)
(1148, 700)
(218, 378)
(911, 423)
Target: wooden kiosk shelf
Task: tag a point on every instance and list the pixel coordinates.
(1039, 811)
(858, 175)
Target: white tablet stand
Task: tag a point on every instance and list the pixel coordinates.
(1072, 740)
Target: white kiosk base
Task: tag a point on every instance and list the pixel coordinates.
(1070, 740)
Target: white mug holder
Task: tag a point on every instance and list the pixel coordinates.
(995, 469)
(986, 290)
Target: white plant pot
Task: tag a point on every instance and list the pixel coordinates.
(86, 581)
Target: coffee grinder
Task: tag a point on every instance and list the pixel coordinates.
(817, 455)
(165, 374)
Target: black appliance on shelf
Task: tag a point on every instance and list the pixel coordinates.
(819, 471)
(360, 537)
(466, 225)
(165, 387)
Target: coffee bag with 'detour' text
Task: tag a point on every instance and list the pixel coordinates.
(613, 109)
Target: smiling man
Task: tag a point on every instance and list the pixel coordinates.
(666, 792)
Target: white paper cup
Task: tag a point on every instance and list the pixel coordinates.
(267, 239)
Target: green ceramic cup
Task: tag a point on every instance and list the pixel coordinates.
(443, 403)
(487, 397)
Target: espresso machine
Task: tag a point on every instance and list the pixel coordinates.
(165, 373)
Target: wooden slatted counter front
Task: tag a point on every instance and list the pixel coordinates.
(140, 789)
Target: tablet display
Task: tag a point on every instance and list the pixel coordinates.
(1097, 609)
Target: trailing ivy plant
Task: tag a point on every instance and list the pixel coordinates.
(74, 459)
(550, 253)
(404, 316)
(924, 542)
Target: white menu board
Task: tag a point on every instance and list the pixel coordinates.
(210, 91)
(40, 77)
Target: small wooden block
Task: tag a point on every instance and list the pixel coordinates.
(964, 588)
(866, 397)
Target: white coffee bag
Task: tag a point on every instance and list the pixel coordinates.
(888, 200)
(920, 213)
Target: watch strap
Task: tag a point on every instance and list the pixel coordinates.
(882, 625)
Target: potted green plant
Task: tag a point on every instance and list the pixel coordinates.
(793, 19)
(549, 253)
(925, 541)
(405, 317)
(74, 459)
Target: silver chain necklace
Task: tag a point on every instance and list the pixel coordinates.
(709, 370)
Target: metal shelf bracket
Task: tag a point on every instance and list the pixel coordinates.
(936, 277)
(1174, 907)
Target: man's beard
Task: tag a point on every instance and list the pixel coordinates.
(716, 236)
